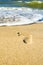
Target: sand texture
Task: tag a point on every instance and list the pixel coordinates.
(21, 45)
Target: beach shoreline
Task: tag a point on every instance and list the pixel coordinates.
(15, 51)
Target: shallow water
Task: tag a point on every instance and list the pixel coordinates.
(14, 14)
(20, 15)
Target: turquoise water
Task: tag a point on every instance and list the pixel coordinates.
(8, 5)
(13, 3)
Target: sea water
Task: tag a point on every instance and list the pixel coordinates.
(16, 15)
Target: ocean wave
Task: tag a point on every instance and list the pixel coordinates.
(20, 16)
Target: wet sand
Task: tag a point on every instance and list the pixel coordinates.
(21, 45)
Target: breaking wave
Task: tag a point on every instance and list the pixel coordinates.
(20, 16)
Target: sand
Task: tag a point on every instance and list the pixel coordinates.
(14, 51)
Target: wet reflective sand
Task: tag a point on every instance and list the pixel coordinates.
(21, 45)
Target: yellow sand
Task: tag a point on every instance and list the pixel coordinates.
(13, 51)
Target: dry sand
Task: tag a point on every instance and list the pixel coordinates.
(13, 51)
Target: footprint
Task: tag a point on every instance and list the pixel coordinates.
(25, 40)
(18, 33)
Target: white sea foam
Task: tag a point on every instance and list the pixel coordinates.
(19, 16)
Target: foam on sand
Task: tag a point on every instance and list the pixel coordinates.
(19, 16)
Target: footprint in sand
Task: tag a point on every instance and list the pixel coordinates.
(25, 39)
